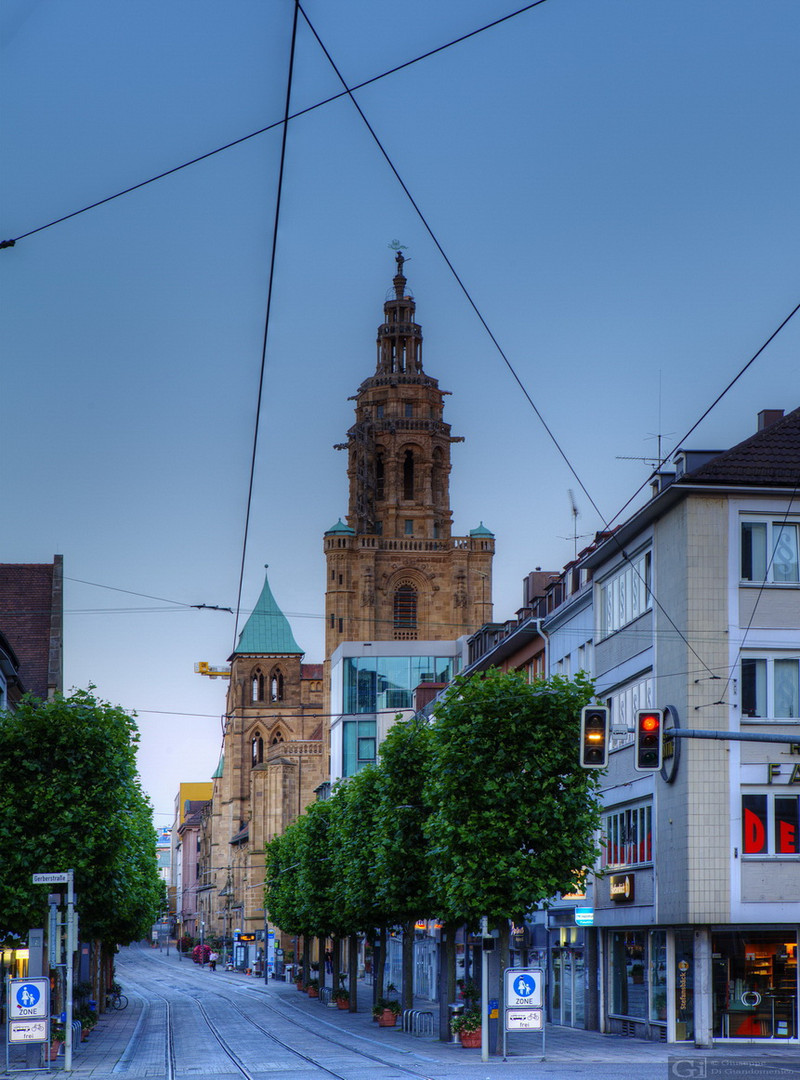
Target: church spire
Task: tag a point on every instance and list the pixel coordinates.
(267, 631)
(399, 337)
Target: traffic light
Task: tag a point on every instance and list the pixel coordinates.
(648, 740)
(594, 736)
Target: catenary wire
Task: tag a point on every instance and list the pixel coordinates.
(270, 127)
(348, 91)
(273, 247)
(484, 323)
(713, 405)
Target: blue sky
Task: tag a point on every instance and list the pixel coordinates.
(615, 182)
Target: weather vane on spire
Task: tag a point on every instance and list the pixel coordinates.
(398, 249)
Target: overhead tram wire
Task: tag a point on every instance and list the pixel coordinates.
(271, 127)
(713, 405)
(273, 248)
(490, 333)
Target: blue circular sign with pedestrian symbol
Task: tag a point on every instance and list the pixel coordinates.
(524, 986)
(28, 996)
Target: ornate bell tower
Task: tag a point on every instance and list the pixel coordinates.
(395, 571)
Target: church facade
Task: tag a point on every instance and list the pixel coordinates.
(401, 588)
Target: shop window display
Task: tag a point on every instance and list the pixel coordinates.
(628, 984)
(755, 985)
(658, 975)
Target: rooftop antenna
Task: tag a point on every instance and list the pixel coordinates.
(652, 435)
(575, 515)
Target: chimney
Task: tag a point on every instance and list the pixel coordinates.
(768, 417)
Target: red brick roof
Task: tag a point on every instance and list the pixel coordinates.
(769, 458)
(31, 616)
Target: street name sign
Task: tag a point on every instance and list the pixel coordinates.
(51, 879)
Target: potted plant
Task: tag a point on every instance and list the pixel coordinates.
(58, 1034)
(312, 988)
(468, 1026)
(386, 1012)
(88, 1019)
(342, 998)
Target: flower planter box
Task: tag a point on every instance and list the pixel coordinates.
(387, 1018)
(471, 1039)
(341, 1003)
(313, 992)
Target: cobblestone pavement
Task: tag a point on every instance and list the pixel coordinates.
(132, 1042)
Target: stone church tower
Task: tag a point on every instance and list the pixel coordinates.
(274, 757)
(394, 570)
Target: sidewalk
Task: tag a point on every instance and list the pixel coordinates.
(566, 1048)
(562, 1044)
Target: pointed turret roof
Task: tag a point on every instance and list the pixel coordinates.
(267, 631)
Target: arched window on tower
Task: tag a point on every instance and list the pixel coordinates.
(276, 685)
(277, 738)
(257, 748)
(257, 686)
(408, 475)
(405, 611)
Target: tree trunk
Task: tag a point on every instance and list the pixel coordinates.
(337, 963)
(380, 964)
(504, 958)
(408, 964)
(306, 959)
(352, 963)
(447, 978)
(321, 959)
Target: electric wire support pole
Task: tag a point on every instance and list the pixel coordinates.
(71, 947)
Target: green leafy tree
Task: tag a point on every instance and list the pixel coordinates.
(402, 865)
(70, 798)
(514, 817)
(281, 893)
(353, 837)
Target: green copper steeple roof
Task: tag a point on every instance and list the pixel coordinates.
(267, 631)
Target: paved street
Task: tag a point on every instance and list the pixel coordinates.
(185, 1021)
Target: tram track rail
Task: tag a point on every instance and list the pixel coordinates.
(288, 1014)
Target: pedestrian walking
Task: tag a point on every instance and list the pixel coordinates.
(212, 960)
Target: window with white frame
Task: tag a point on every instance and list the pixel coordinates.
(628, 836)
(626, 594)
(770, 551)
(770, 687)
(770, 824)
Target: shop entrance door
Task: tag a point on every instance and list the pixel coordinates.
(566, 995)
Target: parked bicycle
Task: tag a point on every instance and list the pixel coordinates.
(115, 998)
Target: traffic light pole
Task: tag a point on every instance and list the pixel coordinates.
(733, 736)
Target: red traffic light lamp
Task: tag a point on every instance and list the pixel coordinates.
(648, 743)
(594, 736)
